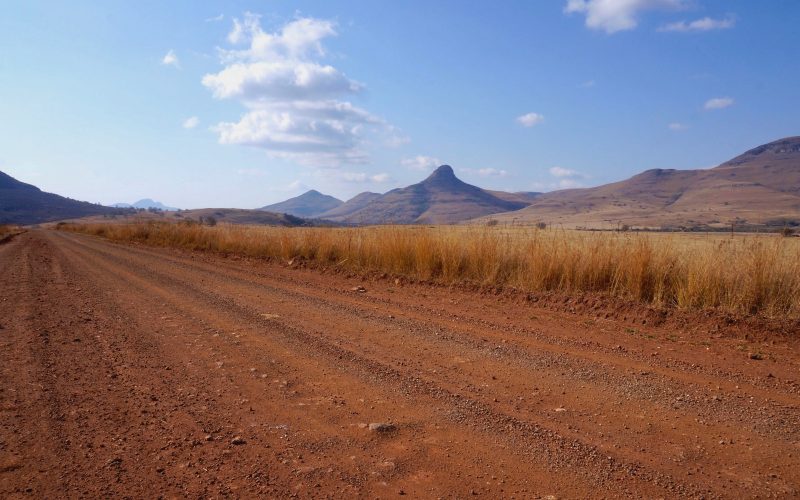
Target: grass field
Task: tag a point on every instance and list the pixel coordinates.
(7, 230)
(741, 274)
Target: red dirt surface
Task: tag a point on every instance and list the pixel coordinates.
(128, 371)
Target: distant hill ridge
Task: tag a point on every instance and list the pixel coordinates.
(760, 186)
(22, 203)
(146, 203)
(442, 198)
(309, 204)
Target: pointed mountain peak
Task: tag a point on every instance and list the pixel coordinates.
(443, 171)
(442, 175)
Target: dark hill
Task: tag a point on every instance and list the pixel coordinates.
(309, 204)
(22, 203)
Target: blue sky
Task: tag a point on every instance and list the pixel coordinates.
(244, 103)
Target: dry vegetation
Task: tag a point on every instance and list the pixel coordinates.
(8, 230)
(741, 274)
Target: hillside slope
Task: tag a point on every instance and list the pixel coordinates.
(22, 203)
(440, 199)
(761, 186)
(351, 206)
(309, 204)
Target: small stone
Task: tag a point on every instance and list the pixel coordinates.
(238, 440)
(382, 427)
(756, 355)
(559, 410)
(359, 289)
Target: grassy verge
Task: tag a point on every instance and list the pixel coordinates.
(752, 275)
(7, 231)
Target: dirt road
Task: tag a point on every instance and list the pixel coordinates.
(132, 371)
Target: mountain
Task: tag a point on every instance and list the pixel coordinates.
(440, 199)
(238, 216)
(309, 204)
(146, 203)
(760, 186)
(352, 205)
(22, 203)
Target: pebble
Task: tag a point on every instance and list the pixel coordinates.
(238, 440)
(382, 427)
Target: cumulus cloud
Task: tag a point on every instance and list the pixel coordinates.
(171, 59)
(421, 162)
(530, 119)
(191, 122)
(704, 24)
(612, 16)
(677, 127)
(296, 105)
(718, 103)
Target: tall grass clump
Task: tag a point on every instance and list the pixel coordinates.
(746, 274)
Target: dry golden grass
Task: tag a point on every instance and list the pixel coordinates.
(741, 274)
(7, 229)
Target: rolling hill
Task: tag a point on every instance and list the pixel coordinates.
(440, 199)
(22, 203)
(760, 186)
(309, 204)
(351, 206)
(146, 203)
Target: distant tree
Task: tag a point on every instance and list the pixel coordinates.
(787, 231)
(211, 221)
(541, 225)
(492, 222)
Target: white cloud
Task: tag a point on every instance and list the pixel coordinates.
(191, 122)
(564, 172)
(421, 162)
(485, 172)
(718, 103)
(251, 172)
(677, 127)
(587, 84)
(565, 178)
(294, 102)
(612, 16)
(361, 177)
(530, 119)
(215, 19)
(704, 24)
(171, 59)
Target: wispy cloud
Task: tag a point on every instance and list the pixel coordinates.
(613, 16)
(191, 122)
(485, 172)
(718, 103)
(562, 172)
(171, 59)
(677, 127)
(530, 119)
(587, 84)
(699, 25)
(363, 177)
(215, 19)
(421, 163)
